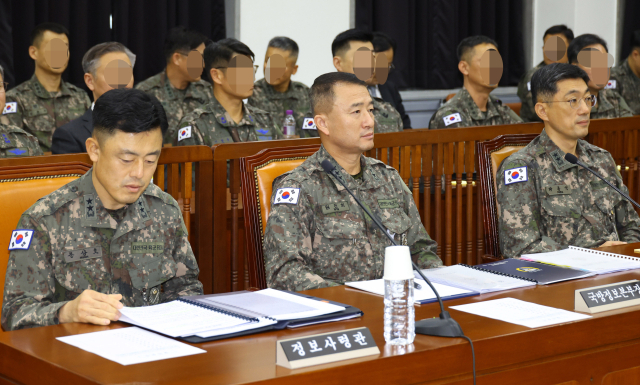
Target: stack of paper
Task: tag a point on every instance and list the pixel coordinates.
(422, 295)
(475, 280)
(585, 259)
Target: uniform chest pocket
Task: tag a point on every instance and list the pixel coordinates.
(79, 269)
(398, 223)
(605, 198)
(35, 112)
(338, 249)
(150, 270)
(561, 206)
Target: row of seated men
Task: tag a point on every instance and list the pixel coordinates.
(111, 239)
(201, 112)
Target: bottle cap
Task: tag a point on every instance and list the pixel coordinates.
(397, 263)
(289, 112)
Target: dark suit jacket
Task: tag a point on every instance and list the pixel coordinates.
(390, 94)
(71, 137)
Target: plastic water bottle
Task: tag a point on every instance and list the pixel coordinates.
(289, 126)
(399, 311)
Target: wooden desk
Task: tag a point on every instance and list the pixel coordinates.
(583, 352)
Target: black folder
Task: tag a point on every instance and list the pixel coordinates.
(540, 273)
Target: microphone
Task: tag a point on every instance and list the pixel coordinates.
(574, 160)
(444, 326)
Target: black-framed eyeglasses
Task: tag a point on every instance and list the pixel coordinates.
(255, 68)
(590, 101)
(391, 66)
(4, 86)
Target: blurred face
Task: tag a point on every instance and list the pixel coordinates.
(237, 78)
(484, 68)
(345, 62)
(52, 55)
(634, 60)
(349, 124)
(114, 71)
(278, 66)
(3, 92)
(569, 123)
(123, 165)
(554, 49)
(191, 65)
(595, 64)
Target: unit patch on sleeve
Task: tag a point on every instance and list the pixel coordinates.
(20, 239)
(10, 108)
(308, 124)
(453, 118)
(184, 133)
(287, 195)
(515, 175)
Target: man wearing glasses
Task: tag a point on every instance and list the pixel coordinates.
(226, 119)
(179, 86)
(14, 141)
(546, 203)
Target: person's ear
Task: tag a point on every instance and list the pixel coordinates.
(463, 67)
(337, 62)
(541, 111)
(321, 123)
(295, 69)
(176, 58)
(33, 52)
(93, 148)
(89, 81)
(216, 75)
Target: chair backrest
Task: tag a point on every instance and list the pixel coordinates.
(515, 107)
(20, 188)
(449, 97)
(490, 155)
(257, 173)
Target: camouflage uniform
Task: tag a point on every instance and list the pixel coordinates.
(296, 98)
(15, 142)
(39, 113)
(324, 238)
(176, 103)
(387, 118)
(527, 111)
(627, 84)
(78, 245)
(561, 204)
(610, 105)
(471, 115)
(212, 124)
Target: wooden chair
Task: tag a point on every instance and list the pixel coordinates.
(515, 107)
(449, 97)
(257, 173)
(490, 154)
(21, 187)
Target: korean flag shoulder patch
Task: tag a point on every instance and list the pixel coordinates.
(515, 175)
(10, 108)
(309, 124)
(287, 195)
(20, 240)
(453, 118)
(184, 133)
(611, 84)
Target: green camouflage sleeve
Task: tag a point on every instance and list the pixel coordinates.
(196, 136)
(277, 132)
(627, 220)
(625, 111)
(30, 283)
(186, 280)
(423, 248)
(15, 119)
(519, 214)
(437, 120)
(513, 117)
(288, 245)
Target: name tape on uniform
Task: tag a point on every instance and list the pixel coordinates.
(453, 118)
(611, 85)
(20, 240)
(515, 175)
(309, 124)
(184, 133)
(287, 195)
(10, 108)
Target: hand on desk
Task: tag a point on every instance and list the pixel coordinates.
(92, 307)
(612, 243)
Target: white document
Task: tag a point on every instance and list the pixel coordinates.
(178, 319)
(376, 286)
(595, 261)
(272, 303)
(236, 329)
(471, 279)
(520, 312)
(128, 346)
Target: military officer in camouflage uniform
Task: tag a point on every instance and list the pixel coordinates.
(625, 77)
(179, 87)
(45, 102)
(609, 103)
(546, 203)
(316, 234)
(527, 112)
(280, 93)
(473, 105)
(107, 239)
(344, 47)
(226, 118)
(13, 140)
